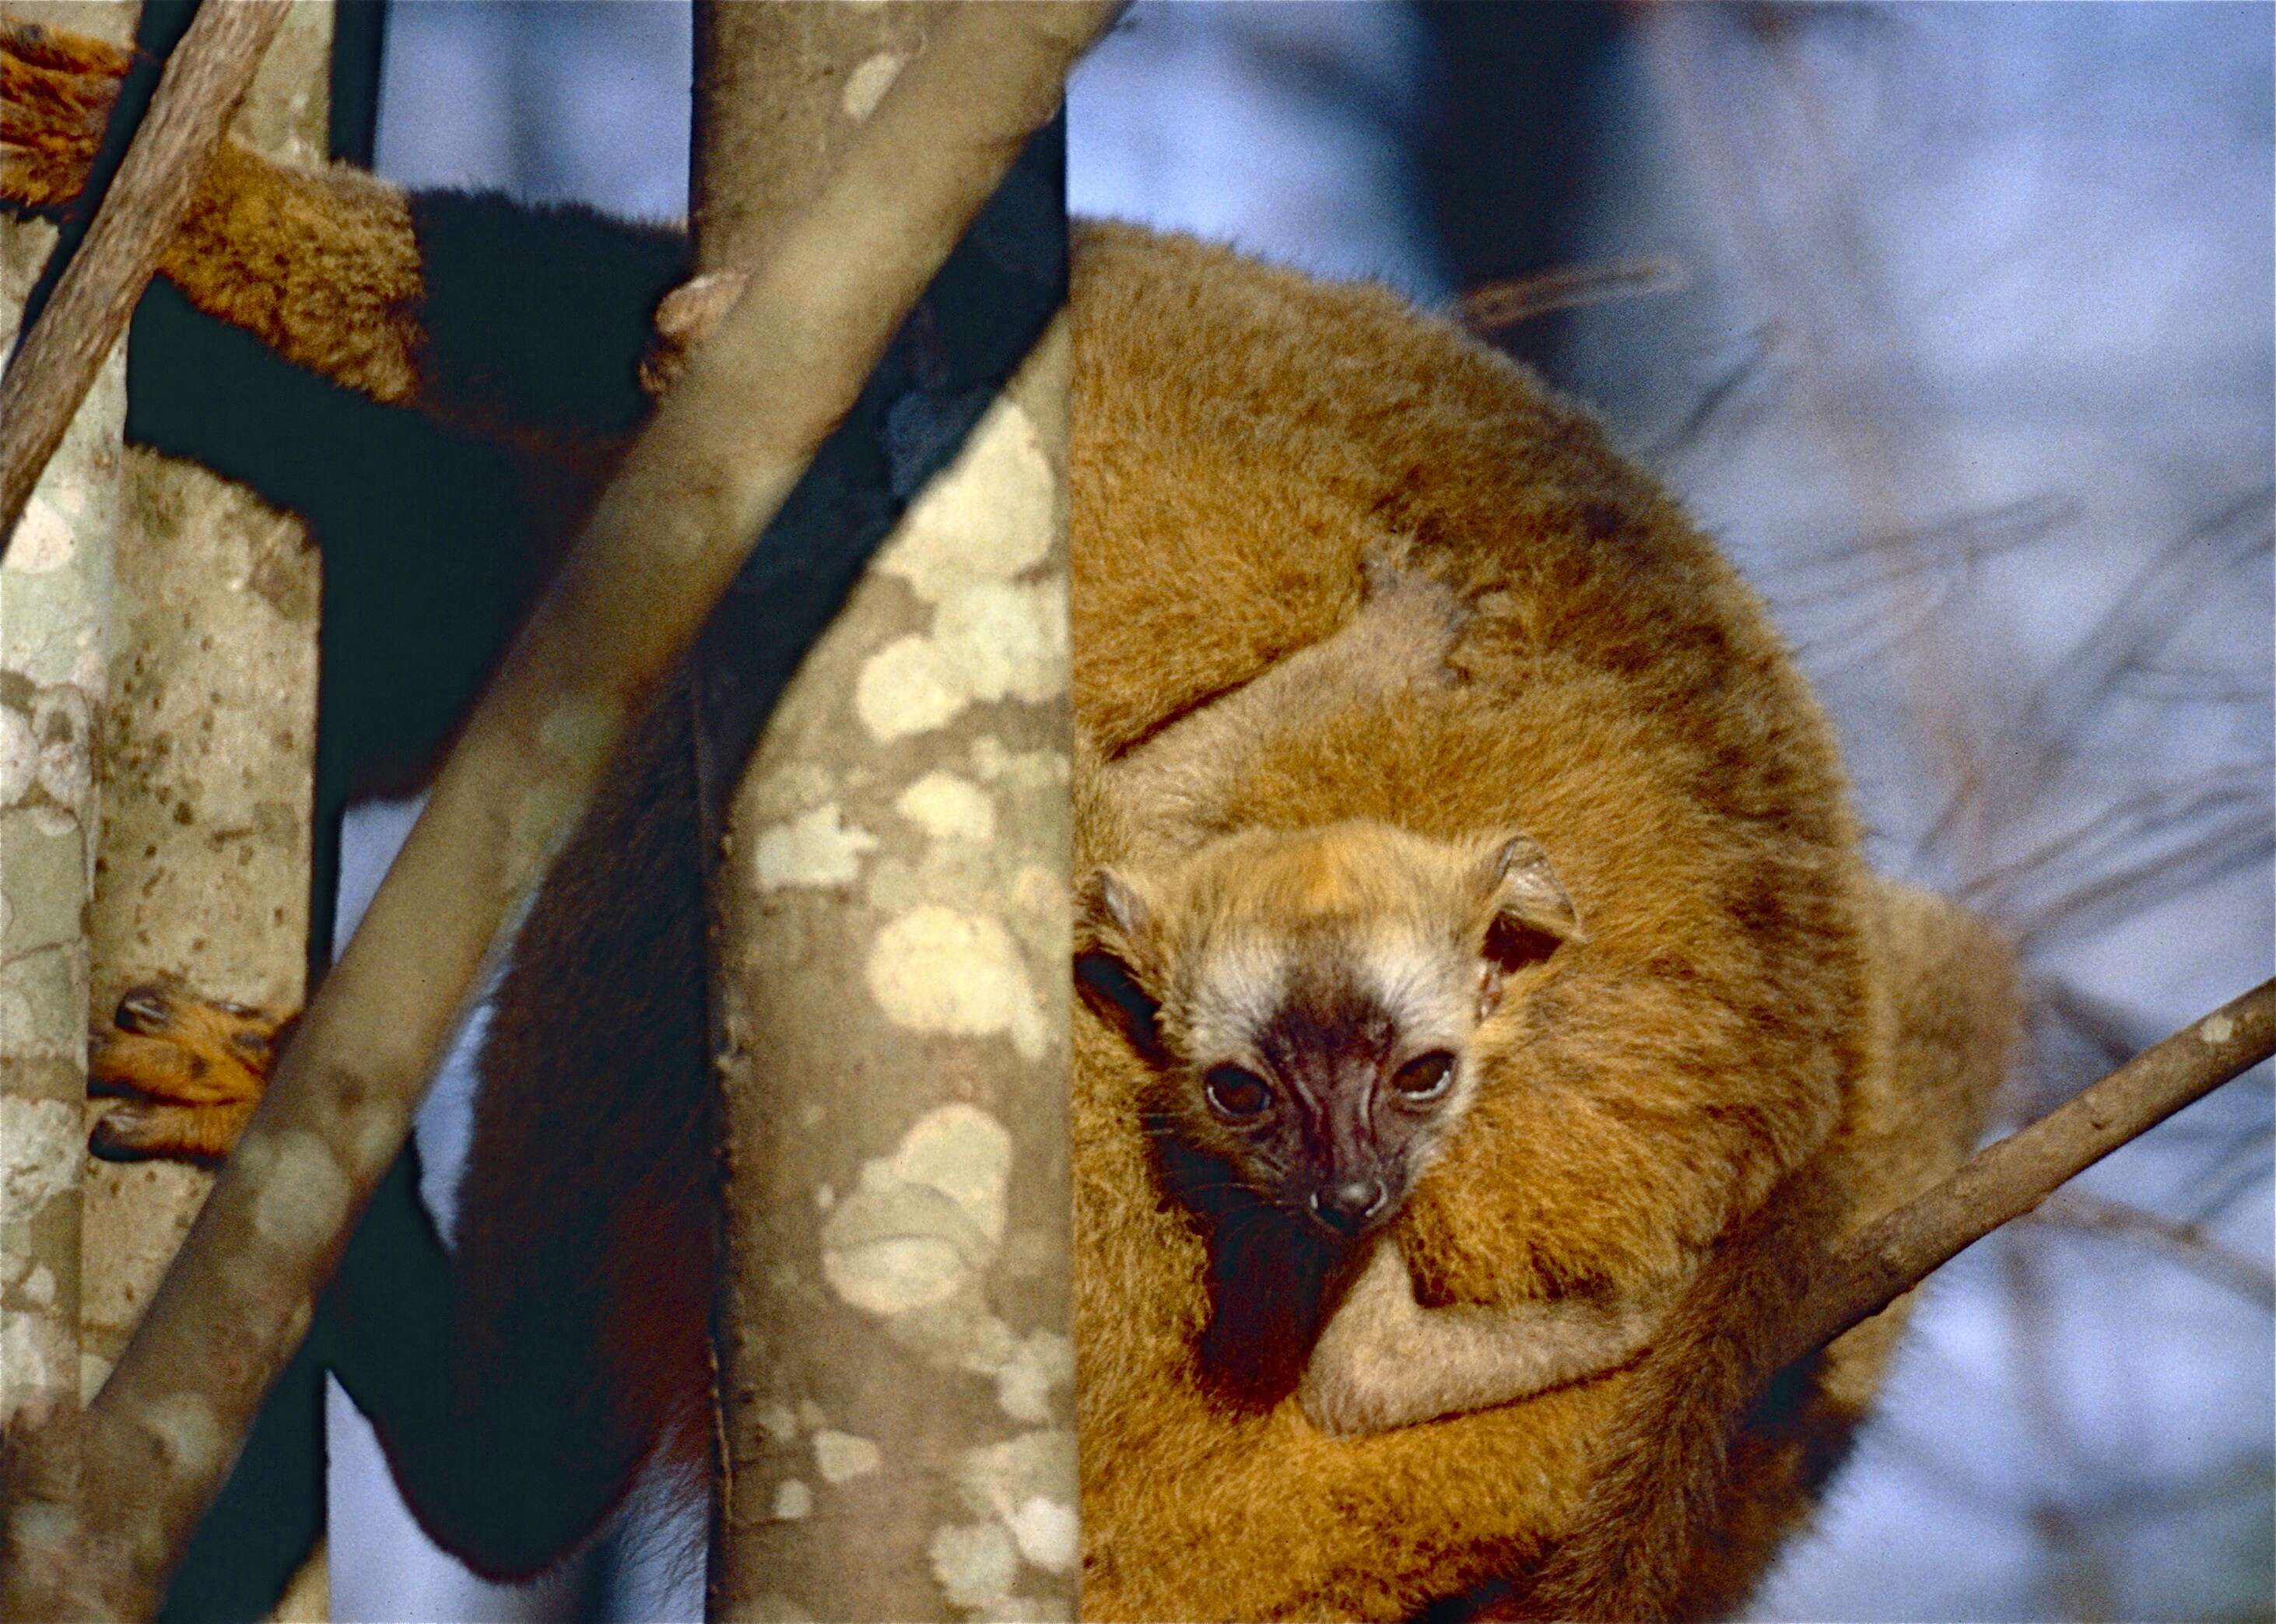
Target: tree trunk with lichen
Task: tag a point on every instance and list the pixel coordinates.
(101, 1510)
(209, 744)
(55, 593)
(162, 622)
(890, 973)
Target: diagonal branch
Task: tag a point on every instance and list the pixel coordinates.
(1897, 1250)
(1670, 1456)
(205, 78)
(715, 464)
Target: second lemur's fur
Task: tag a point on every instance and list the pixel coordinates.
(1737, 1044)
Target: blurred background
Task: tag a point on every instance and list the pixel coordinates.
(1954, 325)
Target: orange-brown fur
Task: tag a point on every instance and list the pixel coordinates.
(187, 1073)
(1750, 1016)
(1626, 704)
(56, 94)
(320, 267)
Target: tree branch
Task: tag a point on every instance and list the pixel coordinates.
(1897, 1250)
(834, 990)
(1494, 308)
(205, 78)
(715, 464)
(1636, 1527)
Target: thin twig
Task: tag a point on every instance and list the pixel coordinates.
(1496, 306)
(2244, 1166)
(205, 79)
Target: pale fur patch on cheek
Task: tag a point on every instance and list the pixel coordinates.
(1428, 1140)
(1450, 1114)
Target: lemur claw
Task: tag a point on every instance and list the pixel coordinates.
(187, 1072)
(142, 1009)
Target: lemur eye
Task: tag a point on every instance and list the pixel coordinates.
(1236, 1092)
(1425, 1076)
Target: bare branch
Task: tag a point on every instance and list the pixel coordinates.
(967, 1355)
(1496, 307)
(205, 79)
(1895, 1252)
(713, 467)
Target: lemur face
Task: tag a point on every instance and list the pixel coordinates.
(1312, 997)
(1328, 1064)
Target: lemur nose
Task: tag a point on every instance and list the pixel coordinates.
(1345, 1207)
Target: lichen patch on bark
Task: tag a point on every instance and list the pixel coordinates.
(991, 515)
(817, 847)
(303, 1193)
(935, 969)
(34, 1137)
(964, 549)
(866, 84)
(841, 1457)
(1023, 1493)
(46, 539)
(1043, 1363)
(949, 808)
(976, 1564)
(925, 1223)
(187, 1430)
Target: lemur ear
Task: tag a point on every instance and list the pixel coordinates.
(1112, 917)
(1528, 913)
(1525, 885)
(1112, 901)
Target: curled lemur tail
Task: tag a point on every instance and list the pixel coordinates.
(1672, 1464)
(1645, 1549)
(586, 1243)
(518, 1387)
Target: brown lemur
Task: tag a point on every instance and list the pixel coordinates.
(1461, 848)
(1320, 1003)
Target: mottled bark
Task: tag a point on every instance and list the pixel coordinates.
(197, 694)
(55, 629)
(895, 1332)
(715, 464)
(897, 1324)
(205, 78)
(190, 675)
(208, 742)
(780, 91)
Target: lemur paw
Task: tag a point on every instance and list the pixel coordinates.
(682, 318)
(56, 90)
(1406, 629)
(187, 1072)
